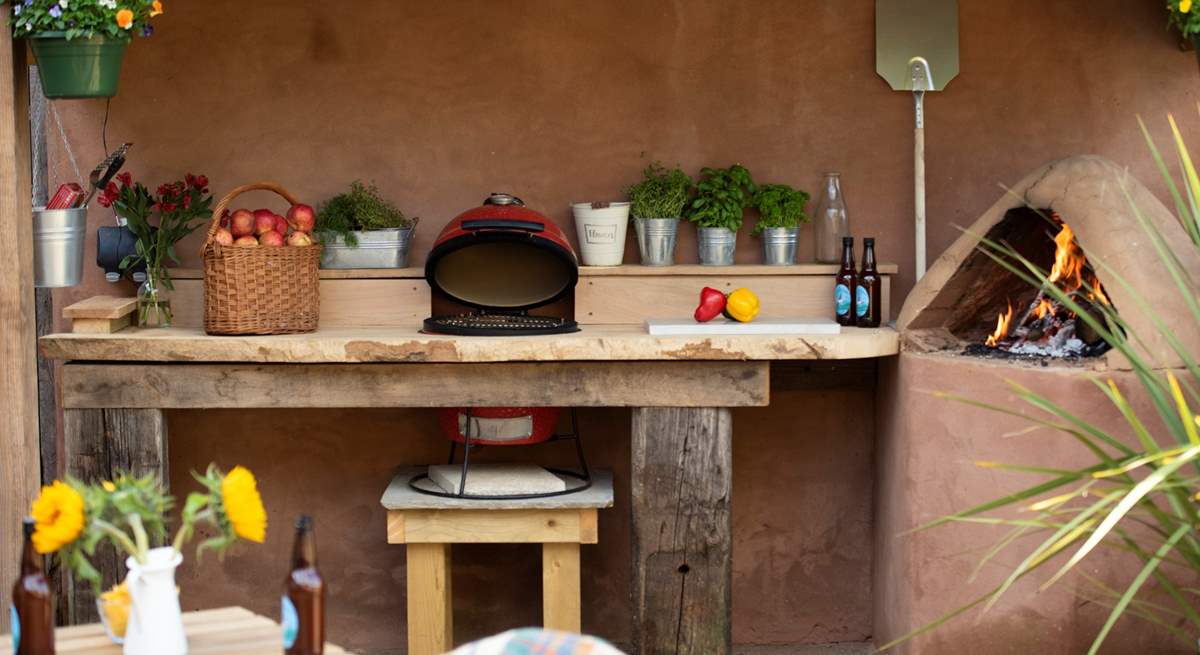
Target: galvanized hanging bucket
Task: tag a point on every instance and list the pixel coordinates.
(656, 240)
(779, 245)
(375, 249)
(716, 245)
(58, 238)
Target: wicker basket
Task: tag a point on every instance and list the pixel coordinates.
(263, 290)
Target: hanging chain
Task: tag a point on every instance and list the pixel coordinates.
(66, 143)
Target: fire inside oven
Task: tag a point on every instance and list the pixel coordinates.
(1031, 322)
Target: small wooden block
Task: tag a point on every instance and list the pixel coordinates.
(492, 526)
(101, 307)
(100, 325)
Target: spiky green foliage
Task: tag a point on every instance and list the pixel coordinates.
(1140, 495)
(662, 193)
(360, 208)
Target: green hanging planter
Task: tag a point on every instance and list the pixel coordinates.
(79, 68)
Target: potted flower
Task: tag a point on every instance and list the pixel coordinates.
(80, 44)
(179, 205)
(718, 210)
(1185, 15)
(72, 518)
(359, 229)
(781, 211)
(601, 228)
(657, 204)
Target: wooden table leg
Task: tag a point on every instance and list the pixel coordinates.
(98, 444)
(560, 587)
(682, 565)
(430, 613)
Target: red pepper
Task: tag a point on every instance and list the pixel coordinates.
(712, 303)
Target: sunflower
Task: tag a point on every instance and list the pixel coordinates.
(243, 505)
(58, 512)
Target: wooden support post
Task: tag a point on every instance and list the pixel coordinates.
(682, 482)
(430, 615)
(560, 587)
(20, 466)
(98, 444)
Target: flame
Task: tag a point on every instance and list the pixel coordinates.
(1043, 308)
(1002, 321)
(1069, 261)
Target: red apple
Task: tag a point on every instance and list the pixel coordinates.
(299, 239)
(246, 240)
(263, 223)
(302, 218)
(225, 219)
(223, 237)
(272, 239)
(281, 224)
(241, 223)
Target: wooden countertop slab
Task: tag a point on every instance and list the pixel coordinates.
(351, 346)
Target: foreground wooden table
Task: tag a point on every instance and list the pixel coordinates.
(115, 388)
(226, 631)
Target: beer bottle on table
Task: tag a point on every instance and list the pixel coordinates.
(304, 596)
(869, 296)
(32, 610)
(843, 292)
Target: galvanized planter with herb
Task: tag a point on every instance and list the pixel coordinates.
(656, 204)
(359, 229)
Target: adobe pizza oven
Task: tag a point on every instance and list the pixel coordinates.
(1073, 220)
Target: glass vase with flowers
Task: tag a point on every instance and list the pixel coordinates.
(180, 207)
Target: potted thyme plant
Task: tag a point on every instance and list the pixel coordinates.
(360, 229)
(718, 210)
(72, 518)
(656, 204)
(781, 211)
(80, 44)
(181, 206)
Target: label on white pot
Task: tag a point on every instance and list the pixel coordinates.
(600, 234)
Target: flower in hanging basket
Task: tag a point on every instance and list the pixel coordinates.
(1185, 15)
(83, 18)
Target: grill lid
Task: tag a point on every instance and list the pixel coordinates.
(502, 256)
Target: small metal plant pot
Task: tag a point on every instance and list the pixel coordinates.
(779, 245)
(656, 240)
(375, 249)
(716, 245)
(58, 238)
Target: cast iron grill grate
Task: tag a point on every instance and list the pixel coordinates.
(496, 325)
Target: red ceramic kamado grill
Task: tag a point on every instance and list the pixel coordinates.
(511, 269)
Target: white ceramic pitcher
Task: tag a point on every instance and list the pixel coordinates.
(155, 622)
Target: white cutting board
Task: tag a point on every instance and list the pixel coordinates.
(688, 327)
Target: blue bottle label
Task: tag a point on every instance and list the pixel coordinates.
(841, 297)
(862, 301)
(289, 620)
(16, 627)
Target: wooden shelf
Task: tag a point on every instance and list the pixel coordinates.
(369, 345)
(628, 270)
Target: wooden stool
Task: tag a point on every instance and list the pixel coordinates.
(429, 524)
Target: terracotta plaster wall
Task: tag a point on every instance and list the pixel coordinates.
(801, 504)
(927, 449)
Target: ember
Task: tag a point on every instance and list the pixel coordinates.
(1047, 328)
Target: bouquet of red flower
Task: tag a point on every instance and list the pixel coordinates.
(181, 207)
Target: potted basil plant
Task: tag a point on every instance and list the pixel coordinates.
(781, 211)
(360, 229)
(656, 204)
(717, 211)
(80, 44)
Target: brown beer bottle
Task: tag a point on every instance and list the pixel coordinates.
(33, 604)
(303, 618)
(869, 296)
(843, 292)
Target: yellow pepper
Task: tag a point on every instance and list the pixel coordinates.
(742, 305)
